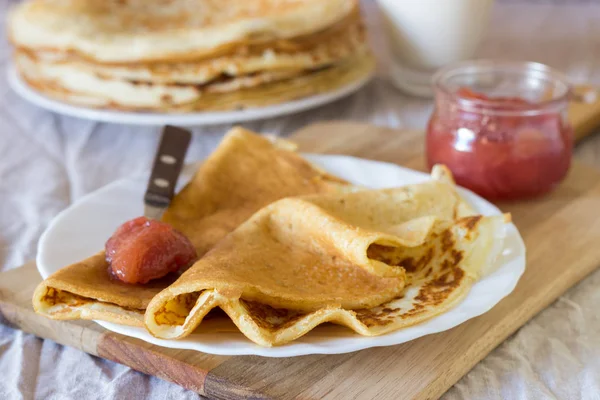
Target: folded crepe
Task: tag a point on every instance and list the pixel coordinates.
(245, 173)
(154, 56)
(373, 260)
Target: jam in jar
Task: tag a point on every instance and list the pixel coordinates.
(501, 128)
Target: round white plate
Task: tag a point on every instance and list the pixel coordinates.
(181, 119)
(83, 228)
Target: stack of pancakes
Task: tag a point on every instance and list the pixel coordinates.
(188, 55)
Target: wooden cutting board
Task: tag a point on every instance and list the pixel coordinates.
(421, 369)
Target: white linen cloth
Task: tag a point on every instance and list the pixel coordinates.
(48, 161)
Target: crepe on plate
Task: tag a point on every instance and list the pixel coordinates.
(245, 173)
(167, 56)
(372, 260)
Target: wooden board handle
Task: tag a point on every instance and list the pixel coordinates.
(584, 111)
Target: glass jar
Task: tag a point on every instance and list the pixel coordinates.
(501, 127)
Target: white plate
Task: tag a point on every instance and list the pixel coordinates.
(82, 229)
(182, 119)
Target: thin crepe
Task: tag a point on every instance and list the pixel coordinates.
(268, 88)
(245, 173)
(327, 49)
(135, 31)
(341, 258)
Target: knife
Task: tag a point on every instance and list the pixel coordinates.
(165, 171)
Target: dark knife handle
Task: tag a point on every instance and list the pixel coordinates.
(167, 166)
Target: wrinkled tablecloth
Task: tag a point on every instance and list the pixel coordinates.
(48, 161)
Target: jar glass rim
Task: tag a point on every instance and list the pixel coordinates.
(537, 70)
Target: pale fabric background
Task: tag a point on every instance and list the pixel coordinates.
(48, 161)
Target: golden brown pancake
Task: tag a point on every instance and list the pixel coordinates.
(326, 49)
(374, 261)
(135, 31)
(244, 174)
(256, 91)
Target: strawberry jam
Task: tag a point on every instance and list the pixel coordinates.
(143, 249)
(501, 147)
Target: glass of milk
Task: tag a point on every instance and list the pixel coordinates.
(424, 35)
